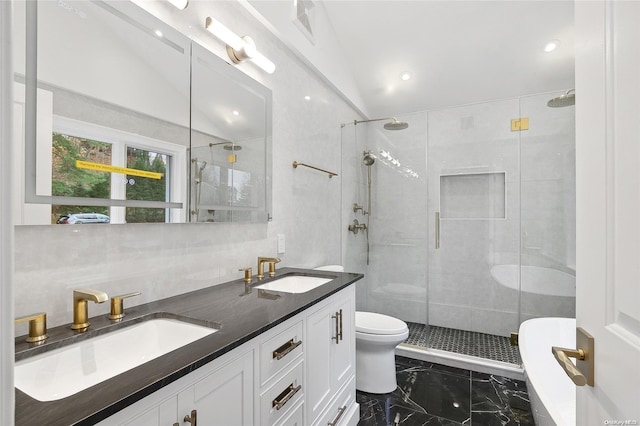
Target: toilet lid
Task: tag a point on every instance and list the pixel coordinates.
(373, 323)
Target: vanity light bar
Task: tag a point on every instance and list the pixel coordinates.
(239, 48)
(180, 4)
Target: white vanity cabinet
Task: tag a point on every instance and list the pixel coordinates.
(220, 394)
(330, 357)
(300, 372)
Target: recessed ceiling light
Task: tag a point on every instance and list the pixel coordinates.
(551, 45)
(307, 98)
(236, 113)
(158, 33)
(406, 75)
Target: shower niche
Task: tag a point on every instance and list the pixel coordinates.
(473, 196)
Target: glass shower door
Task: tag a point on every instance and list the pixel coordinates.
(473, 217)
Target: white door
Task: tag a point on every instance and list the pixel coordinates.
(608, 206)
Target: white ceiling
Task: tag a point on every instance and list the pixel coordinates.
(458, 52)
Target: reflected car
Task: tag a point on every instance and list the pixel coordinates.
(81, 218)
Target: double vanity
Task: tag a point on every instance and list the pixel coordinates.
(280, 351)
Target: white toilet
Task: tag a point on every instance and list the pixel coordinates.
(377, 336)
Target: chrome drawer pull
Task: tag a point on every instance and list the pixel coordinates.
(285, 396)
(338, 318)
(283, 350)
(193, 418)
(335, 421)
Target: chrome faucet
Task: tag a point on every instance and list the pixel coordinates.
(272, 266)
(80, 308)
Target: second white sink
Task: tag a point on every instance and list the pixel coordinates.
(65, 371)
(294, 284)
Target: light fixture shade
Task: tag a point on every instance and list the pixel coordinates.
(223, 33)
(239, 48)
(180, 4)
(260, 60)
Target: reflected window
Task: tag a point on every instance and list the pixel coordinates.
(141, 188)
(90, 161)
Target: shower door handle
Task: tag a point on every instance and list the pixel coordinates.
(437, 230)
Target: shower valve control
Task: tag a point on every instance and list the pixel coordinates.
(356, 226)
(357, 207)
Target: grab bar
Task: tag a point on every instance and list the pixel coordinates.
(331, 174)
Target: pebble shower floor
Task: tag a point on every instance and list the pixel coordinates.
(472, 343)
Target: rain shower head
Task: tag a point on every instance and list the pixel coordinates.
(567, 99)
(394, 124)
(368, 159)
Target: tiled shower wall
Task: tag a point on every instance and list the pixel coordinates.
(524, 213)
(164, 260)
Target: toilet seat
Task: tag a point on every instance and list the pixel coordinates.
(374, 323)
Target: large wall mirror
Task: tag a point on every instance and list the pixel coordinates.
(125, 120)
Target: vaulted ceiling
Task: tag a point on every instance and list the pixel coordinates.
(457, 52)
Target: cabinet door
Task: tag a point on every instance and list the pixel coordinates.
(343, 353)
(225, 397)
(161, 414)
(319, 340)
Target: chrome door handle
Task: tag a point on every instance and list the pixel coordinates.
(341, 411)
(193, 418)
(583, 372)
(338, 318)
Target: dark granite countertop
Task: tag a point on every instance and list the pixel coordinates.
(239, 317)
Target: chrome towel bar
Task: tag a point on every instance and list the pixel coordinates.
(331, 174)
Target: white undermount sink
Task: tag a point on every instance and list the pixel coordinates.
(294, 284)
(65, 371)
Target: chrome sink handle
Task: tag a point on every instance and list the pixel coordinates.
(117, 305)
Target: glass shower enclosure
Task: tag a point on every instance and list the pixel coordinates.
(471, 228)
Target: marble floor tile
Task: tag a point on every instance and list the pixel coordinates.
(433, 394)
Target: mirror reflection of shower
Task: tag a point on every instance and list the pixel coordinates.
(198, 186)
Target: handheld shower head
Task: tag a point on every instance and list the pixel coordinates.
(202, 166)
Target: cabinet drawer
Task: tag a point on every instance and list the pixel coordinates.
(279, 399)
(337, 414)
(294, 418)
(280, 351)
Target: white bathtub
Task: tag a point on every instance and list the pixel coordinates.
(535, 279)
(552, 393)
